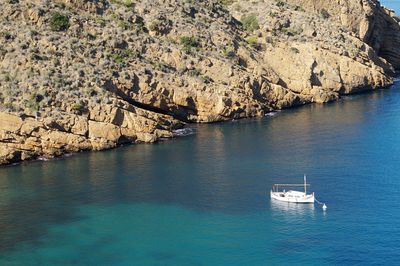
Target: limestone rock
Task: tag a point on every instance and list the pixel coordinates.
(373, 23)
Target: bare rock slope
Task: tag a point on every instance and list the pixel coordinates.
(92, 74)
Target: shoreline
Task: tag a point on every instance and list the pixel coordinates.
(179, 133)
(113, 74)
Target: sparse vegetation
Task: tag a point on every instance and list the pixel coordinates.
(123, 55)
(295, 50)
(78, 107)
(34, 102)
(271, 41)
(189, 43)
(299, 8)
(228, 51)
(34, 33)
(161, 66)
(81, 55)
(160, 26)
(33, 105)
(325, 14)
(3, 52)
(194, 72)
(273, 14)
(59, 22)
(124, 24)
(280, 4)
(154, 26)
(206, 79)
(6, 35)
(226, 2)
(9, 106)
(250, 22)
(127, 3)
(252, 41)
(292, 31)
(139, 26)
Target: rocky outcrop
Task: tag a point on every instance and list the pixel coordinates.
(105, 127)
(101, 73)
(372, 23)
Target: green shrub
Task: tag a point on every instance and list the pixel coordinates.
(59, 22)
(34, 102)
(189, 42)
(127, 3)
(118, 59)
(124, 24)
(250, 22)
(77, 107)
(154, 26)
(273, 14)
(325, 14)
(228, 51)
(280, 3)
(139, 26)
(33, 105)
(292, 31)
(34, 33)
(123, 55)
(252, 41)
(299, 8)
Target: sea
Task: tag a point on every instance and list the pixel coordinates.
(203, 198)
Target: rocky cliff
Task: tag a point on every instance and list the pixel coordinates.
(92, 74)
(372, 23)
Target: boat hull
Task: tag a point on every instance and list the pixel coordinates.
(286, 197)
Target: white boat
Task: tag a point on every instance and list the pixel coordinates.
(292, 195)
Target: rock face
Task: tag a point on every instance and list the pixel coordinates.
(372, 23)
(92, 74)
(25, 138)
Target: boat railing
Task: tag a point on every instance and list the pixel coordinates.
(275, 187)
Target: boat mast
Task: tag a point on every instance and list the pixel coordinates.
(305, 184)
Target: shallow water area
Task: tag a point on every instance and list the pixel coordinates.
(203, 199)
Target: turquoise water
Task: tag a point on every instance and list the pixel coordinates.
(201, 199)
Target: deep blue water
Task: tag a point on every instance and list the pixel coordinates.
(201, 199)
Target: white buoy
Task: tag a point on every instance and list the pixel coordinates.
(324, 207)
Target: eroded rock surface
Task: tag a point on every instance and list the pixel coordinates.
(92, 74)
(373, 23)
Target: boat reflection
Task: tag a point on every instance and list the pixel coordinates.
(292, 208)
